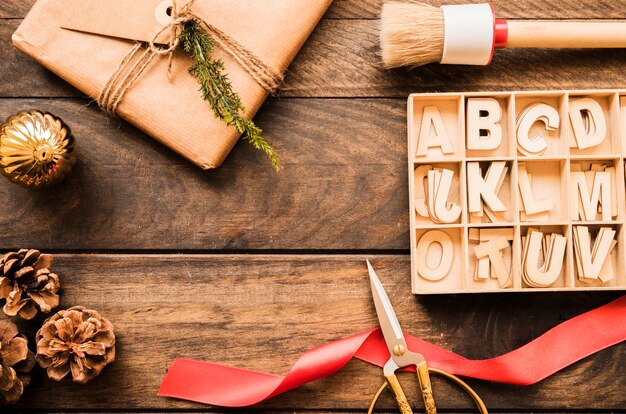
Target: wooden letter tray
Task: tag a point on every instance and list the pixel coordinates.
(517, 191)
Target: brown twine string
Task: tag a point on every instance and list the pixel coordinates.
(126, 75)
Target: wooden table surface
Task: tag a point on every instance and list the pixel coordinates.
(247, 267)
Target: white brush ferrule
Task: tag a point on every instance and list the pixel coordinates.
(468, 34)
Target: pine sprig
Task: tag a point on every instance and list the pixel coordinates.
(217, 90)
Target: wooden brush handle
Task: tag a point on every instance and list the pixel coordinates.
(566, 34)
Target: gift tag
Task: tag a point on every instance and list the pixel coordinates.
(134, 20)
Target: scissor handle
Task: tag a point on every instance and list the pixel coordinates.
(426, 388)
(475, 397)
(423, 377)
(398, 392)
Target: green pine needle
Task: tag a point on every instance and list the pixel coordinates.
(217, 90)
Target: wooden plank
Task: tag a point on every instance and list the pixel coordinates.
(22, 76)
(524, 9)
(370, 9)
(262, 312)
(343, 186)
(341, 59)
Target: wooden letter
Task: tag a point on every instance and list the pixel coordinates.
(607, 273)
(483, 266)
(474, 234)
(531, 206)
(591, 131)
(492, 249)
(479, 189)
(434, 178)
(549, 272)
(536, 144)
(611, 172)
(419, 176)
(483, 270)
(433, 133)
(447, 254)
(488, 124)
(589, 202)
(444, 211)
(592, 261)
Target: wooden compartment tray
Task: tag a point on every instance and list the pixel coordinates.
(517, 191)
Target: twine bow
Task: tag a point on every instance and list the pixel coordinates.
(136, 61)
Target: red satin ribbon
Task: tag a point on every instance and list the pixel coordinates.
(571, 341)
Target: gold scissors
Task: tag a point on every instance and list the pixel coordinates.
(402, 357)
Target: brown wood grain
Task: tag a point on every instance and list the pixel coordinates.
(520, 9)
(262, 312)
(370, 9)
(339, 127)
(343, 186)
(341, 59)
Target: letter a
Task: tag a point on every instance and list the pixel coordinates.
(433, 133)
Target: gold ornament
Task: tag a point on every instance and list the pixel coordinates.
(36, 149)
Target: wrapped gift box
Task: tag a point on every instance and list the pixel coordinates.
(84, 42)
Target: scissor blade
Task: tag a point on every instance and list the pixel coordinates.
(386, 316)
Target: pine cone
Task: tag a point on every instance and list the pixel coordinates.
(27, 284)
(16, 362)
(76, 340)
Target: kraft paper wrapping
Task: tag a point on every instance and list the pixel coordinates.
(170, 110)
